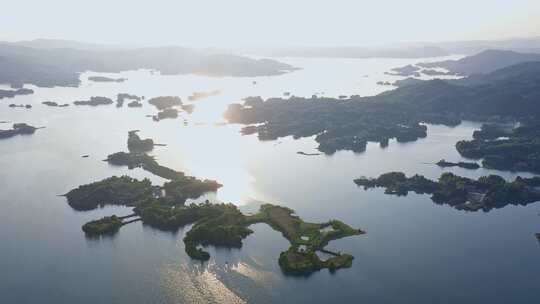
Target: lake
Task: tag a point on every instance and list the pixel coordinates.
(414, 251)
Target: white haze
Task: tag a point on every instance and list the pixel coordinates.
(205, 23)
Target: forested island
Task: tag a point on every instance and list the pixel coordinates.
(503, 149)
(486, 193)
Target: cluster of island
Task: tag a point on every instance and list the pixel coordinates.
(168, 106)
(343, 123)
(417, 71)
(164, 208)
(503, 148)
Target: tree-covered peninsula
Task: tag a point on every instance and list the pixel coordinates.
(221, 225)
(214, 224)
(137, 145)
(348, 124)
(163, 207)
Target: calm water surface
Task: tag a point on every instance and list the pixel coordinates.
(414, 251)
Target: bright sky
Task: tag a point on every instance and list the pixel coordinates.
(268, 23)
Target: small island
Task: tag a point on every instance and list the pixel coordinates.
(408, 70)
(166, 114)
(196, 96)
(18, 129)
(465, 165)
(105, 79)
(13, 93)
(94, 101)
(134, 104)
(165, 102)
(20, 106)
(168, 107)
(486, 193)
(107, 225)
(434, 72)
(307, 154)
(55, 104)
(122, 97)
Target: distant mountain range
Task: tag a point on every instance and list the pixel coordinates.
(510, 91)
(400, 50)
(484, 62)
(51, 44)
(58, 63)
(525, 45)
(349, 52)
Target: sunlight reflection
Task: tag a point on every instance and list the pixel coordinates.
(183, 285)
(254, 274)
